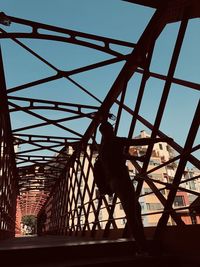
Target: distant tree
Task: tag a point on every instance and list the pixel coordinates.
(29, 220)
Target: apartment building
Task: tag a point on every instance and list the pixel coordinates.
(150, 204)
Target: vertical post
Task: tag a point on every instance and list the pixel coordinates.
(165, 94)
(182, 163)
(8, 165)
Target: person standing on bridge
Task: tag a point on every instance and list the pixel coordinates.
(113, 162)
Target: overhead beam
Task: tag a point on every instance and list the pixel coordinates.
(149, 3)
(176, 9)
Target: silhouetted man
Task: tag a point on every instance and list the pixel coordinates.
(113, 162)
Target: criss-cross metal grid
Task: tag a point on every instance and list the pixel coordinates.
(36, 152)
(57, 164)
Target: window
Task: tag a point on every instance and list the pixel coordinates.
(154, 206)
(160, 146)
(179, 201)
(147, 190)
(192, 185)
(142, 206)
(154, 162)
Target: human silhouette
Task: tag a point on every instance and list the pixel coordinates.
(113, 162)
(41, 223)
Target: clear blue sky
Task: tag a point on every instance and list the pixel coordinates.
(109, 18)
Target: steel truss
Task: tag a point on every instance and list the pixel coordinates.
(67, 194)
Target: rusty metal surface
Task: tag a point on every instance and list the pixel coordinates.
(52, 166)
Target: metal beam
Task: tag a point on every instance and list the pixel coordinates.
(148, 3)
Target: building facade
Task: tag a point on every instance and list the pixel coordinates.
(150, 204)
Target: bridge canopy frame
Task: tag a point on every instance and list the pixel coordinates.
(53, 183)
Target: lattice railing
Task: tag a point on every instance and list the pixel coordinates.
(75, 208)
(8, 174)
